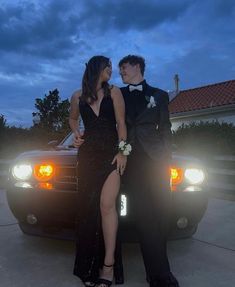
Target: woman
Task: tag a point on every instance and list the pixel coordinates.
(100, 164)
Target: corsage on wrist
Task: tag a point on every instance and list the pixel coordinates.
(124, 147)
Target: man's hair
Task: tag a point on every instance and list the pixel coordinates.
(134, 60)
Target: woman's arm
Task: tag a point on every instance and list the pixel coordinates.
(73, 119)
(74, 112)
(119, 109)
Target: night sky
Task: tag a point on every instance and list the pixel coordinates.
(44, 45)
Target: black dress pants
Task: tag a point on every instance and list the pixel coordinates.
(150, 199)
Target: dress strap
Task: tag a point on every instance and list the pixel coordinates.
(109, 90)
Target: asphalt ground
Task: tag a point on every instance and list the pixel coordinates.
(205, 260)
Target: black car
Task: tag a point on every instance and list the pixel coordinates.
(42, 194)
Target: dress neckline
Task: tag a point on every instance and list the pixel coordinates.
(97, 115)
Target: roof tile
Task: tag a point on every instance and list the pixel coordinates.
(214, 95)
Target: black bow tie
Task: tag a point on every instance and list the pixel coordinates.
(133, 87)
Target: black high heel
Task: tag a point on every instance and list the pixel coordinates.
(89, 283)
(104, 282)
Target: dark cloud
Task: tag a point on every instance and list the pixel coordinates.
(36, 30)
(44, 44)
(200, 67)
(223, 8)
(131, 14)
(13, 64)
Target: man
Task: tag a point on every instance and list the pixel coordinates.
(147, 174)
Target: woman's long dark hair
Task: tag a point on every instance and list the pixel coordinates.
(91, 76)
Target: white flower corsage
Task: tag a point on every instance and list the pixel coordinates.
(124, 147)
(151, 103)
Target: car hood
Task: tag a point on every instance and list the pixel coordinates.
(185, 160)
(62, 156)
(69, 156)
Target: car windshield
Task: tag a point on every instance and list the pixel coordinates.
(67, 141)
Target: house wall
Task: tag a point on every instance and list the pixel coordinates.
(228, 117)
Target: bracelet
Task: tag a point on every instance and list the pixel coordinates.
(124, 147)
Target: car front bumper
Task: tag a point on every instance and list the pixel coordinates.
(55, 211)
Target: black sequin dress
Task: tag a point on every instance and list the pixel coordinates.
(94, 165)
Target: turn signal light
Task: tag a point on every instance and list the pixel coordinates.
(176, 175)
(44, 171)
(45, 185)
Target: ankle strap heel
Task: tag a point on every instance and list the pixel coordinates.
(108, 265)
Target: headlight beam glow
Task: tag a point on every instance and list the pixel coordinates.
(22, 171)
(194, 175)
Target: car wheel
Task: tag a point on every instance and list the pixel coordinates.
(26, 228)
(182, 233)
(31, 229)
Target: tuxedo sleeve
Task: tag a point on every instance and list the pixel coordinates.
(164, 127)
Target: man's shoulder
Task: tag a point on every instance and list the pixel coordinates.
(124, 91)
(157, 90)
(124, 88)
(159, 94)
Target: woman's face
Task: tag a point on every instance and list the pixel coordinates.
(105, 75)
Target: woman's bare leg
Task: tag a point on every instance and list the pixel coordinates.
(109, 220)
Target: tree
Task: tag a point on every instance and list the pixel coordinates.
(52, 112)
(3, 123)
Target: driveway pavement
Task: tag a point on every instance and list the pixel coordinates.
(206, 260)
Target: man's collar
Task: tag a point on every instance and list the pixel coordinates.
(141, 86)
(141, 83)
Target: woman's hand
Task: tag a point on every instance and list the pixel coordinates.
(121, 160)
(78, 140)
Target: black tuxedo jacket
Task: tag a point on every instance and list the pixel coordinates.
(151, 128)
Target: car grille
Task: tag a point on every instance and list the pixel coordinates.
(66, 178)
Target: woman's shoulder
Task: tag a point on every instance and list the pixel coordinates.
(76, 95)
(116, 94)
(114, 89)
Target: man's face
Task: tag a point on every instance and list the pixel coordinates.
(129, 73)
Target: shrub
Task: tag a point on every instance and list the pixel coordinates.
(205, 138)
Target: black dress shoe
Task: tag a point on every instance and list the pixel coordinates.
(167, 281)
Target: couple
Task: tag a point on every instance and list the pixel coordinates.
(126, 130)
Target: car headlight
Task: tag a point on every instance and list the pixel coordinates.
(22, 171)
(194, 175)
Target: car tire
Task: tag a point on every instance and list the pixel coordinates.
(26, 228)
(182, 233)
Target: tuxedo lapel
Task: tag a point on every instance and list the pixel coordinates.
(128, 105)
(149, 92)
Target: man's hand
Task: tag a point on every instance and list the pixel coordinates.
(121, 160)
(78, 140)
